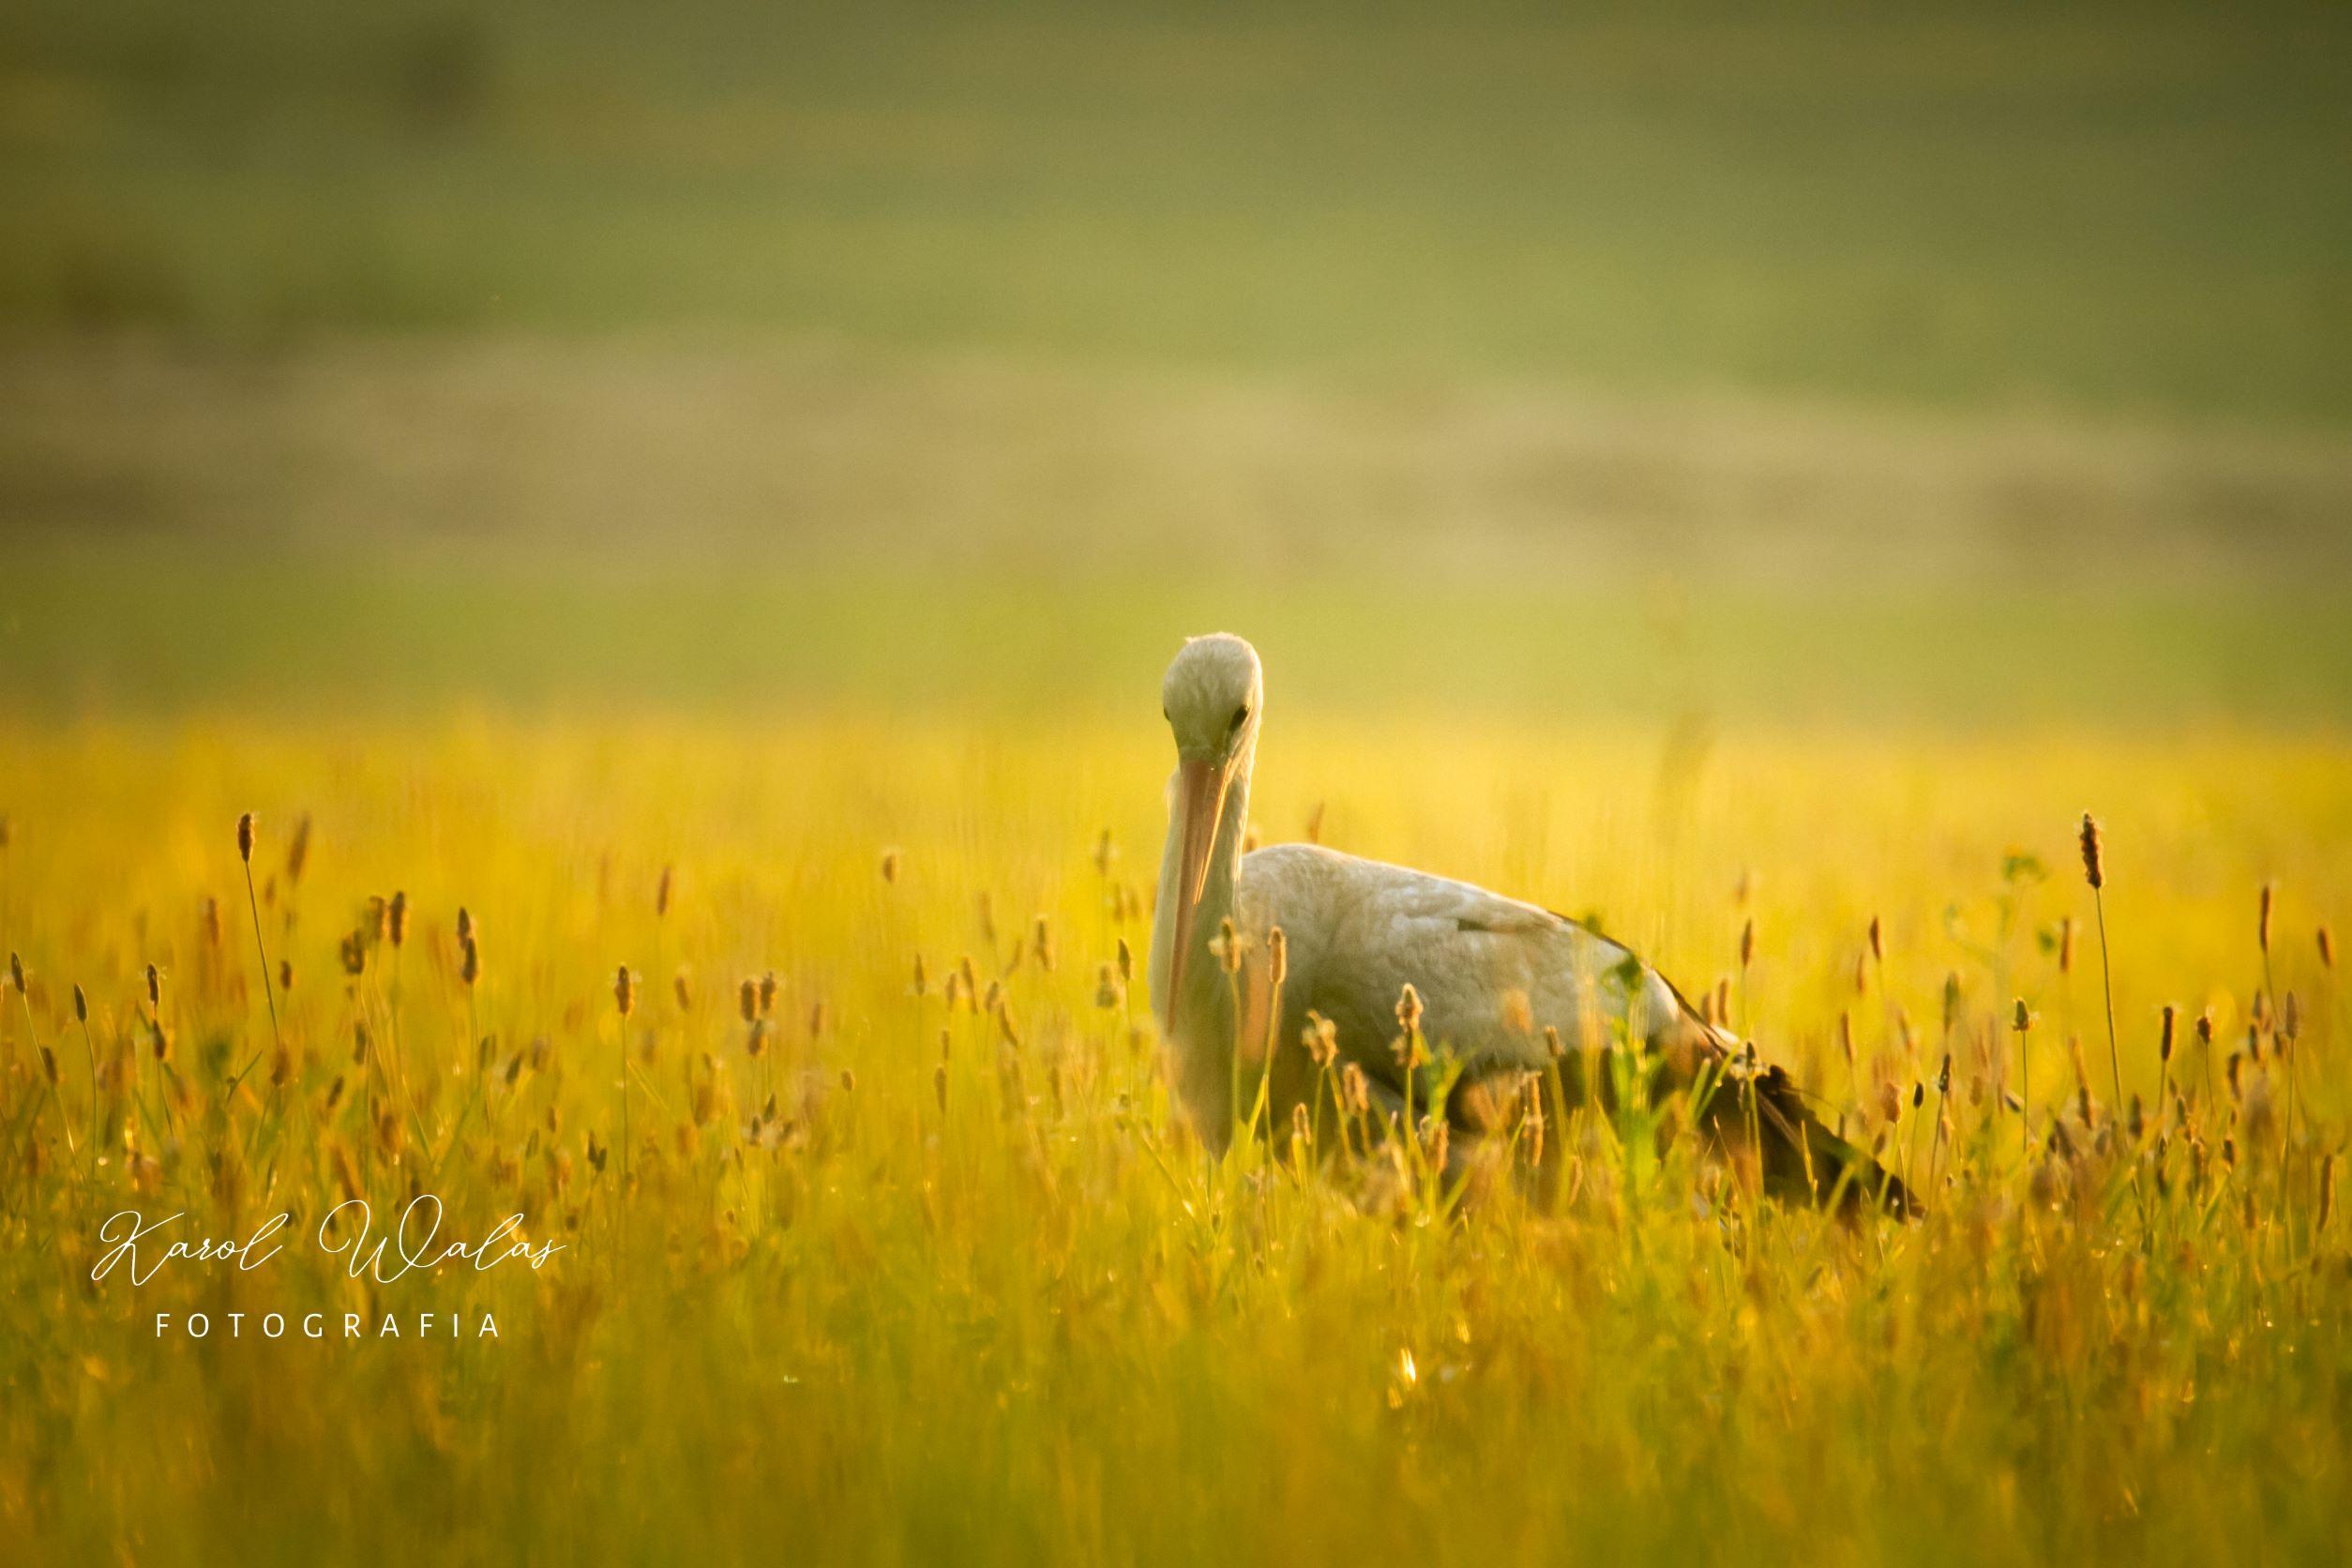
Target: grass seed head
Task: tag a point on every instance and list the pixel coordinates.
(81, 1005)
(298, 849)
(1277, 956)
(470, 961)
(1747, 942)
(2094, 861)
(245, 838)
(2163, 1043)
(2262, 918)
(2327, 947)
(396, 913)
(1320, 1037)
(2066, 945)
(625, 990)
(747, 1000)
(663, 889)
(1227, 946)
(155, 987)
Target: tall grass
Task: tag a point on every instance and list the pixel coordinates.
(940, 1275)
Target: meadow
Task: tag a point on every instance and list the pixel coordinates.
(671, 522)
(904, 1268)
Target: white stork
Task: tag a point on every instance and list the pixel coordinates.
(1490, 975)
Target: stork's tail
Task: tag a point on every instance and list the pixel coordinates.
(1796, 1155)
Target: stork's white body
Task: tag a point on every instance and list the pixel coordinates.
(1492, 975)
(1492, 972)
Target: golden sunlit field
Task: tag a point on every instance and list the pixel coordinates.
(672, 521)
(900, 1272)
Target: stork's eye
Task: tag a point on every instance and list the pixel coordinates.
(1240, 716)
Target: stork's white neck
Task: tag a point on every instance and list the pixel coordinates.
(1202, 1031)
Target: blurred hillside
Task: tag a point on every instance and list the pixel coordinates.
(2125, 208)
(1910, 356)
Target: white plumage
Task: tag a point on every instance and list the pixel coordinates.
(1491, 972)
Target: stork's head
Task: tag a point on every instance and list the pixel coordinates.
(1211, 697)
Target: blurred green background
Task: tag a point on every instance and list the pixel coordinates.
(1943, 361)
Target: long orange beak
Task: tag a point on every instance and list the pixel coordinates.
(1201, 810)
